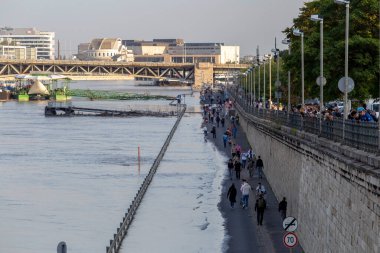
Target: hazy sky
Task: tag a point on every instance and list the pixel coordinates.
(247, 23)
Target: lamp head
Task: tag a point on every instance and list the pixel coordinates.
(297, 32)
(341, 1)
(286, 41)
(316, 18)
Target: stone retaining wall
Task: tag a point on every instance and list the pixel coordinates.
(336, 199)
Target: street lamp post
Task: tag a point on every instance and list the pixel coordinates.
(347, 3)
(299, 33)
(254, 85)
(264, 61)
(319, 19)
(287, 42)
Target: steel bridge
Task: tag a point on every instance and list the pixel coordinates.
(181, 71)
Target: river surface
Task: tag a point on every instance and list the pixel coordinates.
(72, 179)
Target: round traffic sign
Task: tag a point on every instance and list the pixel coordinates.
(277, 83)
(318, 81)
(342, 84)
(290, 224)
(290, 240)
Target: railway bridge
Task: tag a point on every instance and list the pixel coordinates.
(197, 73)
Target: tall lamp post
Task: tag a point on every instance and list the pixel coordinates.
(347, 3)
(287, 42)
(321, 81)
(264, 61)
(297, 32)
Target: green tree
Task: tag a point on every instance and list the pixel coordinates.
(363, 48)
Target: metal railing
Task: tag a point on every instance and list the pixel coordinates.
(118, 238)
(360, 135)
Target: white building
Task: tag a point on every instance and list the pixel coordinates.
(43, 42)
(176, 50)
(104, 49)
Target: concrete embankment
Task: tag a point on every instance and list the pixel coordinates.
(333, 190)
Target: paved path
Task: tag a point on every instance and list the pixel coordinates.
(245, 235)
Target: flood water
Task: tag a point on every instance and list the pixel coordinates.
(72, 179)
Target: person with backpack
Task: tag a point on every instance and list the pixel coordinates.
(231, 195)
(260, 206)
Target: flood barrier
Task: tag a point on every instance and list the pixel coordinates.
(122, 230)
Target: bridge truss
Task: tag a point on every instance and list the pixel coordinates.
(149, 70)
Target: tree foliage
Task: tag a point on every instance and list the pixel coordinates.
(363, 48)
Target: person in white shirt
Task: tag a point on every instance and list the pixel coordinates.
(260, 189)
(245, 189)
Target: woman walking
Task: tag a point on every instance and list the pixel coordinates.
(231, 195)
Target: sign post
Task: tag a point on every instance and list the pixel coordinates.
(290, 239)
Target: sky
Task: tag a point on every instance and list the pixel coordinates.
(247, 23)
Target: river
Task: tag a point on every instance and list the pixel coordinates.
(71, 179)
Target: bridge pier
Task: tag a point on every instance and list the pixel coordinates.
(203, 73)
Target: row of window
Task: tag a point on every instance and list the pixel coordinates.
(101, 54)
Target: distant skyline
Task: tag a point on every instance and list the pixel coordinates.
(246, 23)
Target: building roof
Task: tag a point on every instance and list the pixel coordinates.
(105, 43)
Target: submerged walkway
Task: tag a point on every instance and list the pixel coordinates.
(245, 235)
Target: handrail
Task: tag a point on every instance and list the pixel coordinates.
(118, 238)
(363, 135)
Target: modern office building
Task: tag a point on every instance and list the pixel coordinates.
(104, 49)
(177, 51)
(17, 52)
(42, 42)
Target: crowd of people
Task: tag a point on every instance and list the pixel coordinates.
(331, 111)
(218, 112)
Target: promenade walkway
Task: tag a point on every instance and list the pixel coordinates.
(245, 235)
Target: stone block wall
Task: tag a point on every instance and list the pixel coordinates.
(336, 202)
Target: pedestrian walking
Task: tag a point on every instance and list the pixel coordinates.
(282, 208)
(237, 167)
(233, 150)
(250, 164)
(260, 206)
(231, 195)
(259, 167)
(230, 166)
(213, 131)
(225, 139)
(260, 190)
(245, 189)
(234, 131)
(243, 160)
(222, 120)
(217, 120)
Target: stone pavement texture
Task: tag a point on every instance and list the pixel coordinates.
(245, 235)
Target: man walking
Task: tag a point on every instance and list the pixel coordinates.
(282, 208)
(259, 167)
(245, 189)
(259, 208)
(237, 166)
